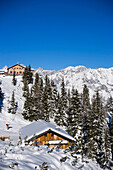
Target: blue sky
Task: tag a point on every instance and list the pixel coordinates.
(54, 34)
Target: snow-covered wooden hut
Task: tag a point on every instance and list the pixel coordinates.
(44, 133)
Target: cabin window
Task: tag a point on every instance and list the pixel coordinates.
(11, 72)
(20, 72)
(45, 135)
(17, 67)
(52, 134)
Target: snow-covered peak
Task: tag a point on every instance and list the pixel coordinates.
(73, 69)
(96, 79)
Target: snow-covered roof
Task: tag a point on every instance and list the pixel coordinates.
(22, 65)
(39, 127)
(4, 69)
(18, 64)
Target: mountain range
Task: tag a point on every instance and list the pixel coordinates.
(100, 79)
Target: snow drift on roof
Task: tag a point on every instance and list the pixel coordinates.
(39, 127)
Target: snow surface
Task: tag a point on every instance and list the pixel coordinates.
(15, 121)
(58, 142)
(40, 127)
(29, 157)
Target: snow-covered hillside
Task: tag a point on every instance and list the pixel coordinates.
(15, 121)
(101, 78)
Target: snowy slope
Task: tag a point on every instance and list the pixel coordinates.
(15, 121)
(74, 76)
(29, 157)
(101, 78)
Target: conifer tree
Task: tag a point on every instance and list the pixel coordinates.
(36, 95)
(36, 78)
(53, 101)
(86, 110)
(107, 148)
(12, 108)
(69, 98)
(25, 88)
(26, 80)
(74, 113)
(58, 116)
(30, 80)
(14, 79)
(45, 115)
(75, 122)
(98, 133)
(27, 74)
(1, 99)
(41, 96)
(46, 99)
(64, 106)
(0, 93)
(111, 137)
(28, 111)
(110, 104)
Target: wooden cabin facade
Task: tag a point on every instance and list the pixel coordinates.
(44, 133)
(18, 69)
(51, 139)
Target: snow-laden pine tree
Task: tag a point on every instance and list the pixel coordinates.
(86, 113)
(12, 107)
(30, 75)
(111, 137)
(75, 122)
(58, 117)
(41, 97)
(27, 74)
(28, 110)
(98, 129)
(62, 109)
(26, 105)
(74, 113)
(36, 96)
(25, 88)
(68, 98)
(0, 93)
(54, 98)
(46, 99)
(1, 97)
(107, 148)
(14, 79)
(110, 104)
